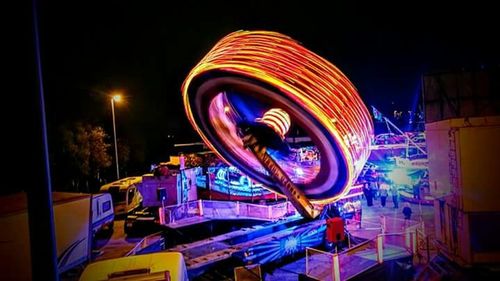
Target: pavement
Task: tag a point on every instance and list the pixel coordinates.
(423, 213)
(116, 246)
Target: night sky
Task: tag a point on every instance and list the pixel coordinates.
(146, 50)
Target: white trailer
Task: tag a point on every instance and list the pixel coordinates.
(72, 220)
(103, 215)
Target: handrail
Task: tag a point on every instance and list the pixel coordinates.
(226, 202)
(320, 251)
(235, 208)
(360, 222)
(143, 243)
(408, 242)
(393, 234)
(359, 245)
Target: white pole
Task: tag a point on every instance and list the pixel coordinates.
(380, 248)
(114, 136)
(307, 261)
(336, 267)
(200, 207)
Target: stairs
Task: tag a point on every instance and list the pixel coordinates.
(437, 269)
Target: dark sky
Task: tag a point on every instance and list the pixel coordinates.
(146, 50)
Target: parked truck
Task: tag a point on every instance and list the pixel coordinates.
(74, 224)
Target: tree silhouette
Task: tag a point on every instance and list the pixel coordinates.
(87, 154)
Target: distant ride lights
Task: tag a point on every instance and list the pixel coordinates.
(252, 87)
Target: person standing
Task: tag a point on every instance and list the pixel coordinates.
(374, 183)
(395, 195)
(384, 189)
(368, 193)
(407, 211)
(416, 190)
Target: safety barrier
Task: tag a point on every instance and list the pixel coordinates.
(425, 247)
(225, 210)
(182, 211)
(366, 230)
(316, 263)
(361, 255)
(154, 240)
(381, 246)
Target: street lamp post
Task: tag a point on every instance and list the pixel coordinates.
(115, 98)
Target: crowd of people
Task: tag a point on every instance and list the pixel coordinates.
(379, 186)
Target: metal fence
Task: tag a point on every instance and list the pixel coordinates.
(380, 246)
(320, 264)
(220, 209)
(149, 242)
(425, 248)
(253, 210)
(366, 230)
(281, 210)
(226, 210)
(182, 211)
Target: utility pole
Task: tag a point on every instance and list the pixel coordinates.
(40, 212)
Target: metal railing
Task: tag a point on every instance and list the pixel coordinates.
(225, 210)
(320, 264)
(380, 246)
(146, 242)
(366, 230)
(425, 247)
(363, 255)
(182, 211)
(396, 225)
(220, 209)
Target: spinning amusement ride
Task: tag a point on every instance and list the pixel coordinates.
(253, 87)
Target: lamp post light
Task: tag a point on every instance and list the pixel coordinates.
(115, 98)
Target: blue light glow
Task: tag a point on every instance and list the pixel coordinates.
(400, 176)
(289, 242)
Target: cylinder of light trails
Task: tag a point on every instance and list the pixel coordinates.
(249, 73)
